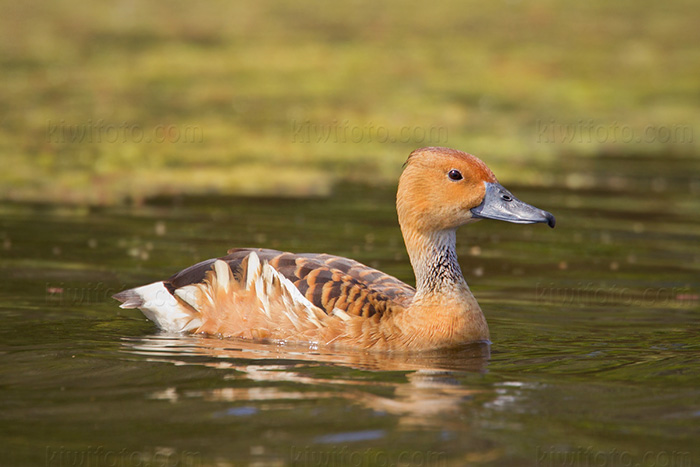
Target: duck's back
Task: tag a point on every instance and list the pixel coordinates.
(327, 281)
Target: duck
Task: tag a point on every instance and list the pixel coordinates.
(329, 301)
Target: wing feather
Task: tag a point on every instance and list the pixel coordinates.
(329, 282)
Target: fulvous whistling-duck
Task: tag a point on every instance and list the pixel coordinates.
(328, 300)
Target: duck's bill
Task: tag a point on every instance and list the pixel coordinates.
(500, 204)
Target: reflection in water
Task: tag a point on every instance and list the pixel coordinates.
(471, 357)
(428, 388)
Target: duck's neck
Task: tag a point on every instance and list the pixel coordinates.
(434, 259)
(443, 311)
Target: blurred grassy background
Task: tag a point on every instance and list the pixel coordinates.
(106, 101)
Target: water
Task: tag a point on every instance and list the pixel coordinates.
(594, 325)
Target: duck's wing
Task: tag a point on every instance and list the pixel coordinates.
(374, 279)
(329, 282)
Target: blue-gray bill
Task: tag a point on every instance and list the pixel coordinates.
(500, 204)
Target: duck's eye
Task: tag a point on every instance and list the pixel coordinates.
(455, 175)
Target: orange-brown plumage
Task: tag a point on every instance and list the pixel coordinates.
(330, 300)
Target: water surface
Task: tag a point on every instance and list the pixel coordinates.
(594, 326)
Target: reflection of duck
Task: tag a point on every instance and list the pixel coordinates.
(227, 353)
(329, 300)
(432, 387)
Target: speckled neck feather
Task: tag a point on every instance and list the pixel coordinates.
(434, 260)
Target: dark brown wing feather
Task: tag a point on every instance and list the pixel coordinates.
(327, 281)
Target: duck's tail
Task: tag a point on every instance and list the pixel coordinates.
(161, 307)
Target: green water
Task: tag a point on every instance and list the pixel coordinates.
(594, 361)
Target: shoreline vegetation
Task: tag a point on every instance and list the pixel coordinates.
(110, 102)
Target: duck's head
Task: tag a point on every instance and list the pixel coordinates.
(442, 188)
